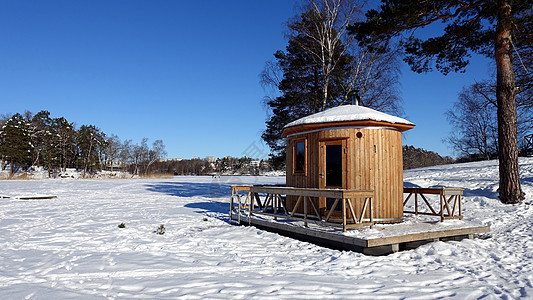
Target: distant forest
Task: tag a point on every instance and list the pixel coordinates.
(28, 140)
(220, 166)
(418, 158)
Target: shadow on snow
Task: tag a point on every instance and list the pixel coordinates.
(213, 206)
(192, 189)
(203, 190)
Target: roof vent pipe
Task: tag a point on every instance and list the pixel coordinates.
(356, 98)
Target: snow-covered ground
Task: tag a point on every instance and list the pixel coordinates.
(71, 247)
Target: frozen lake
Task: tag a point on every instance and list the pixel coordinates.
(71, 246)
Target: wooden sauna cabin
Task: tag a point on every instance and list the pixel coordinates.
(348, 147)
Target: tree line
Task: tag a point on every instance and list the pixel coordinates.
(28, 140)
(220, 166)
(419, 158)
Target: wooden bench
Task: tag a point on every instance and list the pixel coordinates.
(449, 202)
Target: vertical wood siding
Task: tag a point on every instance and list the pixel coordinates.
(373, 161)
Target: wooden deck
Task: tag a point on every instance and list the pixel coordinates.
(246, 208)
(381, 240)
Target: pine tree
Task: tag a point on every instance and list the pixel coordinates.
(63, 143)
(89, 140)
(41, 139)
(488, 27)
(15, 143)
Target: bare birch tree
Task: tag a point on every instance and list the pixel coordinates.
(328, 31)
(156, 153)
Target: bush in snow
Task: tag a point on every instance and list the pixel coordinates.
(161, 229)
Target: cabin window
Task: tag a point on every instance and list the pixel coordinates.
(300, 156)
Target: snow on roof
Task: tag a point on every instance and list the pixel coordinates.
(348, 113)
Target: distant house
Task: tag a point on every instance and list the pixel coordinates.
(114, 165)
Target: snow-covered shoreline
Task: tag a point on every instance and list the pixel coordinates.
(71, 246)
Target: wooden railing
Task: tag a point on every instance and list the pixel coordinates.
(449, 206)
(274, 204)
(236, 203)
(528, 144)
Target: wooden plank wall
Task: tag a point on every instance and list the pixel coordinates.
(373, 161)
(311, 177)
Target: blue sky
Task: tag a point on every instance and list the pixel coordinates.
(185, 72)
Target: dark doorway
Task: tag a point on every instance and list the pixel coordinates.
(332, 168)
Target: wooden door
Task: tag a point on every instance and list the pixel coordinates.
(332, 168)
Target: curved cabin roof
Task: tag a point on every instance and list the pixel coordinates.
(346, 116)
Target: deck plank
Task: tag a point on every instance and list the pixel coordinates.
(387, 239)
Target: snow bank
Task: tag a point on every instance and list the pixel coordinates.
(71, 246)
(69, 173)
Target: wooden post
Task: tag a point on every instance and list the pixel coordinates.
(344, 214)
(460, 208)
(275, 203)
(250, 209)
(305, 211)
(371, 213)
(239, 209)
(441, 207)
(416, 203)
(231, 204)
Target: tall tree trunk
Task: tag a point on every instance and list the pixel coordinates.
(510, 190)
(36, 161)
(325, 93)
